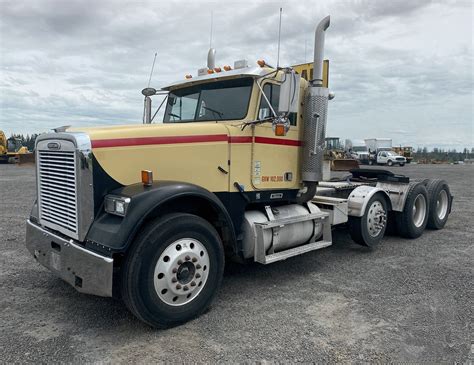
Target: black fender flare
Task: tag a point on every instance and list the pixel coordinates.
(114, 234)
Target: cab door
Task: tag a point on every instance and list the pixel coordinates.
(275, 159)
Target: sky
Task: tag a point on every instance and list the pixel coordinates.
(401, 69)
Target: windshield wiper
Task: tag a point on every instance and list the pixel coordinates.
(174, 115)
(218, 113)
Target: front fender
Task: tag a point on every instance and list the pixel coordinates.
(114, 234)
(359, 198)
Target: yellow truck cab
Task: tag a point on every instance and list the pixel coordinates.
(151, 212)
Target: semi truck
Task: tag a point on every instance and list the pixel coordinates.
(151, 212)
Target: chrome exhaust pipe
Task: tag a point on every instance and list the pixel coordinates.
(314, 117)
(319, 36)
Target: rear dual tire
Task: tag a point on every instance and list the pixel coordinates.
(440, 203)
(412, 221)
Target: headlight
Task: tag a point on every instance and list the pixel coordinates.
(116, 205)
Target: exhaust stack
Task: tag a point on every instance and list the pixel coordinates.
(319, 36)
(314, 117)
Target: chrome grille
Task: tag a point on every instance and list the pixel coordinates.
(57, 190)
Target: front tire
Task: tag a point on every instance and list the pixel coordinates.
(389, 163)
(412, 221)
(402, 164)
(369, 229)
(173, 270)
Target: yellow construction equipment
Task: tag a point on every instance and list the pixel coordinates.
(339, 159)
(406, 152)
(12, 151)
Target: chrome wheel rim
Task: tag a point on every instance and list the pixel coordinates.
(181, 271)
(419, 210)
(442, 204)
(376, 218)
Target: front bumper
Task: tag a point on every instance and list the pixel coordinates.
(85, 270)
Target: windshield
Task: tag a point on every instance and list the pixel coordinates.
(359, 149)
(391, 153)
(221, 100)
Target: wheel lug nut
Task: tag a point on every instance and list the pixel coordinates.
(194, 259)
(185, 288)
(178, 286)
(198, 275)
(175, 270)
(198, 266)
(174, 280)
(187, 258)
(193, 283)
(180, 262)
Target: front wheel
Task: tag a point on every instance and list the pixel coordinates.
(390, 163)
(173, 270)
(369, 229)
(402, 164)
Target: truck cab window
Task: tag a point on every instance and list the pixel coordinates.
(272, 93)
(220, 100)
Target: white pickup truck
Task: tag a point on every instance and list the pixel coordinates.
(389, 158)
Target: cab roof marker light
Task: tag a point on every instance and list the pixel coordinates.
(227, 68)
(188, 76)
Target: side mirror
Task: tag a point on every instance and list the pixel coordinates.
(289, 93)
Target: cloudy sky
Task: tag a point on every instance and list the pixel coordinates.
(399, 68)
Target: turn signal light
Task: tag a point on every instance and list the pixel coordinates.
(210, 71)
(217, 69)
(261, 63)
(280, 130)
(227, 68)
(147, 177)
(188, 76)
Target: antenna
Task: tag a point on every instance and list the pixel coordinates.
(305, 46)
(210, 36)
(279, 35)
(152, 68)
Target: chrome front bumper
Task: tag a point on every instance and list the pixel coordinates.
(85, 270)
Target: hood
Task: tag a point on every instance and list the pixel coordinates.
(186, 152)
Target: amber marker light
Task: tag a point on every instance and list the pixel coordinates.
(261, 63)
(188, 76)
(147, 177)
(227, 68)
(217, 69)
(210, 71)
(280, 130)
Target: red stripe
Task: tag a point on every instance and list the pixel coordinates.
(266, 140)
(140, 141)
(240, 139)
(280, 141)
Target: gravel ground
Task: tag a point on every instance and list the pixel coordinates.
(409, 300)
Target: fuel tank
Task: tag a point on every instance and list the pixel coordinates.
(290, 235)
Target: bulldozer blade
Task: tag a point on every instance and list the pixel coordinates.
(25, 158)
(344, 164)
